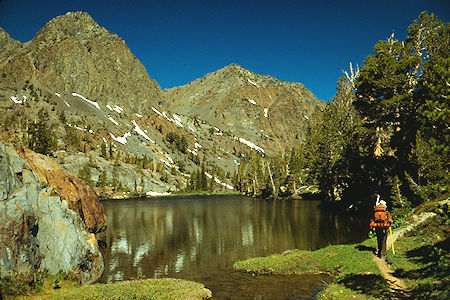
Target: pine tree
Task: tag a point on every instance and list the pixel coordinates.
(212, 184)
(198, 180)
(111, 154)
(402, 93)
(102, 179)
(433, 111)
(142, 183)
(84, 173)
(203, 179)
(41, 137)
(103, 149)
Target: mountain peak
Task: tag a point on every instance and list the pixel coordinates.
(3, 34)
(4, 37)
(233, 66)
(75, 17)
(235, 69)
(79, 25)
(243, 76)
(73, 20)
(7, 45)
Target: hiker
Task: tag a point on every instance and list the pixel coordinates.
(382, 221)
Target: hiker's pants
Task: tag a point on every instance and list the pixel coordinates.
(381, 239)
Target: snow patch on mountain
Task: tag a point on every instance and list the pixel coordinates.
(120, 139)
(112, 120)
(218, 132)
(223, 184)
(118, 109)
(16, 100)
(157, 111)
(217, 180)
(87, 100)
(194, 152)
(165, 162)
(250, 144)
(177, 120)
(141, 132)
(252, 82)
(79, 128)
(167, 117)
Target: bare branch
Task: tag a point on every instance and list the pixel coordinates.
(354, 74)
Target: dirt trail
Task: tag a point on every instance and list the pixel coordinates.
(397, 286)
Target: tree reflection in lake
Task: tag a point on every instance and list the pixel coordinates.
(199, 238)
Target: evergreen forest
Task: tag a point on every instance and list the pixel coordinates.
(385, 131)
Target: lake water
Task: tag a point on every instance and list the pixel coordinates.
(200, 237)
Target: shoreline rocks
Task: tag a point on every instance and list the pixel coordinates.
(38, 229)
(80, 197)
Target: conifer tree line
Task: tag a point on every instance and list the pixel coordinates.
(35, 133)
(385, 131)
(199, 181)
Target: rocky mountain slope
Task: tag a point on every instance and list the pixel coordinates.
(72, 53)
(269, 112)
(110, 120)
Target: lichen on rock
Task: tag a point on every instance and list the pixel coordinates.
(80, 197)
(38, 231)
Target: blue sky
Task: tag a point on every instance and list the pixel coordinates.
(178, 41)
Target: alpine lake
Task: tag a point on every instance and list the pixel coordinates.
(200, 237)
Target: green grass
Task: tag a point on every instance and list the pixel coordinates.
(422, 259)
(165, 288)
(340, 291)
(354, 272)
(337, 260)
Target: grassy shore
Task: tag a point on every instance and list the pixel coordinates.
(422, 260)
(165, 288)
(352, 267)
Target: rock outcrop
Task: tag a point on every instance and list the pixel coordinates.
(80, 197)
(38, 230)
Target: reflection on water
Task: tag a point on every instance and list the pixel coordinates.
(199, 238)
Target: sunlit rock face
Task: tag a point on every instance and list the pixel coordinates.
(38, 231)
(72, 53)
(80, 197)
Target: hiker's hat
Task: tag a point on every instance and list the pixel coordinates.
(382, 202)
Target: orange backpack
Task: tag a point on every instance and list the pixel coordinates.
(382, 217)
(380, 214)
